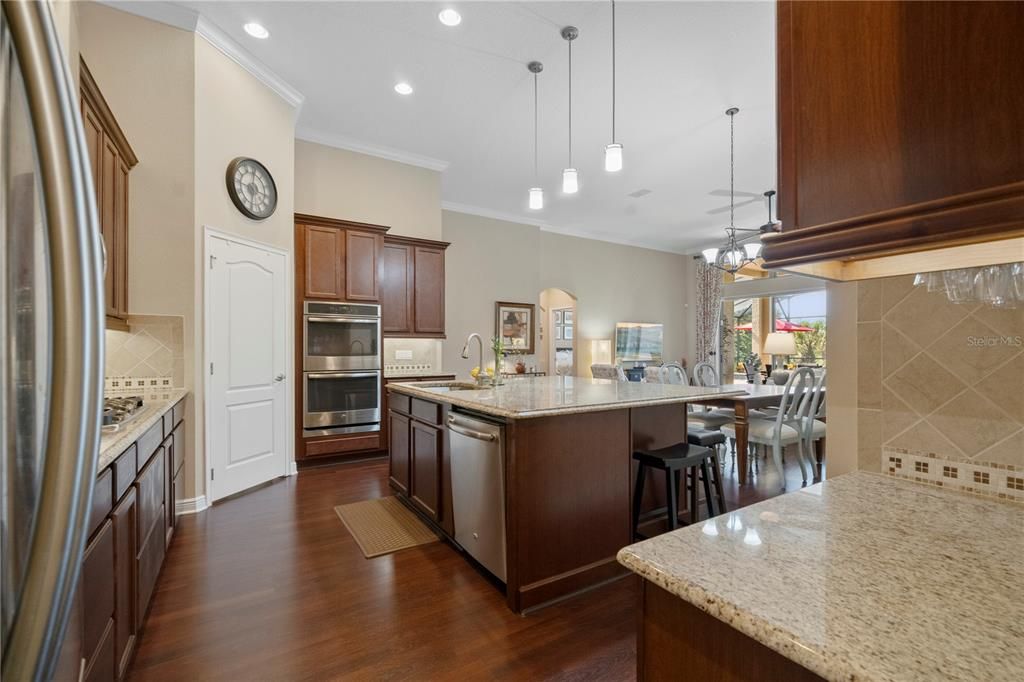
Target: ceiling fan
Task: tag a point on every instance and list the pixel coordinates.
(751, 198)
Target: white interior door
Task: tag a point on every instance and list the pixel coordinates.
(246, 328)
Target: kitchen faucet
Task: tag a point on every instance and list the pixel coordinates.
(481, 377)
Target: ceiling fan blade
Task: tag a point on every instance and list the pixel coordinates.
(725, 209)
(725, 193)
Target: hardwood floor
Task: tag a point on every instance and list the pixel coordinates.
(270, 586)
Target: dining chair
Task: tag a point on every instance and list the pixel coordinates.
(653, 375)
(674, 373)
(788, 426)
(814, 426)
(613, 372)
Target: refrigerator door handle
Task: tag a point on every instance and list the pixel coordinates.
(76, 390)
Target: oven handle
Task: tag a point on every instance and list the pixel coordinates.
(342, 318)
(341, 375)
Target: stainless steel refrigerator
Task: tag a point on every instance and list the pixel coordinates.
(51, 342)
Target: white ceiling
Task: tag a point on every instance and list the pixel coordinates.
(680, 66)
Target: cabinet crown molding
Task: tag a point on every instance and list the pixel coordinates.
(306, 219)
(91, 91)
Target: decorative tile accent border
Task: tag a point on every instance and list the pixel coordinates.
(1000, 481)
(120, 384)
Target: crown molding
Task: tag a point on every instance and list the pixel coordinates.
(490, 213)
(188, 20)
(220, 40)
(353, 145)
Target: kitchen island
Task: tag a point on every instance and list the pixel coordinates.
(863, 577)
(567, 449)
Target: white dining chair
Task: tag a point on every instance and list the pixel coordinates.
(705, 375)
(653, 375)
(613, 372)
(674, 373)
(813, 424)
(788, 426)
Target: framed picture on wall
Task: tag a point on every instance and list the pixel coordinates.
(514, 324)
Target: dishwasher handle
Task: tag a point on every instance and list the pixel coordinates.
(478, 435)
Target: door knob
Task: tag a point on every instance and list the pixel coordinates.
(279, 378)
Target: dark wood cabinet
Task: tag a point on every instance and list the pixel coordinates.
(97, 586)
(429, 287)
(362, 261)
(425, 468)
(903, 147)
(123, 518)
(413, 287)
(150, 525)
(324, 253)
(111, 159)
(396, 291)
(398, 451)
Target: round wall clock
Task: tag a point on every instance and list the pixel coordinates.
(251, 188)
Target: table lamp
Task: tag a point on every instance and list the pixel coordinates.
(779, 343)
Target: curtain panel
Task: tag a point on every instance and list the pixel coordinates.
(709, 312)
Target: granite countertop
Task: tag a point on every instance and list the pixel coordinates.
(154, 406)
(863, 577)
(546, 396)
(416, 374)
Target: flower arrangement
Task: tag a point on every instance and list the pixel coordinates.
(498, 346)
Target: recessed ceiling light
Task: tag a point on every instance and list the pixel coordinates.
(450, 17)
(403, 88)
(256, 30)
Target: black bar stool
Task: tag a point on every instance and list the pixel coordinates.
(696, 461)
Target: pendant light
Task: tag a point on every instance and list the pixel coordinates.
(570, 176)
(731, 257)
(536, 192)
(613, 151)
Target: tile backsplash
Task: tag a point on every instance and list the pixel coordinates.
(150, 354)
(411, 356)
(941, 381)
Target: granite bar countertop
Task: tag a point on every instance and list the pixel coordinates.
(863, 577)
(396, 374)
(553, 395)
(154, 405)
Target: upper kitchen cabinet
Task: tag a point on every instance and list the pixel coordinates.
(412, 287)
(899, 137)
(340, 260)
(111, 158)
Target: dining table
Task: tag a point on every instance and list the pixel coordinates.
(756, 396)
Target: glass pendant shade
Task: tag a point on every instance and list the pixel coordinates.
(613, 157)
(710, 256)
(570, 181)
(753, 250)
(734, 258)
(536, 198)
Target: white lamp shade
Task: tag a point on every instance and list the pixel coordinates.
(779, 343)
(734, 258)
(753, 250)
(710, 255)
(536, 198)
(613, 157)
(570, 181)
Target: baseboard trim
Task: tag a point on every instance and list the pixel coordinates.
(192, 505)
(293, 468)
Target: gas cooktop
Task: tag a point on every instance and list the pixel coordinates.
(119, 410)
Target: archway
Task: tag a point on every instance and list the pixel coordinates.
(559, 322)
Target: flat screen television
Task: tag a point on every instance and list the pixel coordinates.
(638, 342)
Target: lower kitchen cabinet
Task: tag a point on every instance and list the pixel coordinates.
(418, 460)
(425, 488)
(97, 585)
(398, 461)
(124, 517)
(129, 532)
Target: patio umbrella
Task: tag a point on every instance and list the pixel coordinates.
(780, 326)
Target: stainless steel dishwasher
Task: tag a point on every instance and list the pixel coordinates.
(478, 488)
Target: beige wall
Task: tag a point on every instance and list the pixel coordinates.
(236, 115)
(146, 71)
(187, 110)
(337, 183)
(493, 260)
(841, 434)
